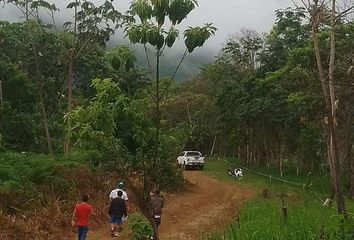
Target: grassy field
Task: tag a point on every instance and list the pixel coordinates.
(264, 218)
(26, 170)
(310, 181)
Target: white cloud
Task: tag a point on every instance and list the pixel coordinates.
(229, 16)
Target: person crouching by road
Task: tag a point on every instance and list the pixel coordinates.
(81, 216)
(117, 210)
(156, 205)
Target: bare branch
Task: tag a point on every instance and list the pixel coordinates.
(152, 95)
(174, 74)
(344, 12)
(148, 60)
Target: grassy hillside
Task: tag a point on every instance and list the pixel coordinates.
(264, 217)
(38, 193)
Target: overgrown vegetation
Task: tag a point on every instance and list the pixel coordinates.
(37, 193)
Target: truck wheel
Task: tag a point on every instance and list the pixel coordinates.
(201, 167)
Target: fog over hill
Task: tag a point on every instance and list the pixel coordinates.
(229, 16)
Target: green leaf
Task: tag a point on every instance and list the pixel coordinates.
(45, 4)
(160, 41)
(171, 37)
(142, 8)
(180, 9)
(73, 4)
(129, 64)
(67, 24)
(160, 10)
(197, 36)
(87, 5)
(116, 62)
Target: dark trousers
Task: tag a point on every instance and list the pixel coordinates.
(81, 232)
(158, 222)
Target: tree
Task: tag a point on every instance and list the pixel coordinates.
(290, 31)
(317, 11)
(122, 63)
(264, 112)
(30, 10)
(91, 25)
(147, 26)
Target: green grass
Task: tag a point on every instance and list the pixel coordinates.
(313, 181)
(25, 170)
(262, 218)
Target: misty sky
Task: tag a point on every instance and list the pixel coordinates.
(229, 16)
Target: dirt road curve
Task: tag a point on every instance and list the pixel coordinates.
(207, 204)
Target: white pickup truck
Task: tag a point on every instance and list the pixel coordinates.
(190, 159)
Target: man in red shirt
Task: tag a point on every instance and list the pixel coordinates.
(81, 216)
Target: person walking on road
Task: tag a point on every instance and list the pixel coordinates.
(114, 192)
(117, 210)
(156, 205)
(81, 216)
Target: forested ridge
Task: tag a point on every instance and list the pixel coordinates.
(282, 99)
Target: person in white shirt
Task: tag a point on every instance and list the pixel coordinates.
(114, 192)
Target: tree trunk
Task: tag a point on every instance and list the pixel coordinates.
(281, 154)
(329, 104)
(239, 149)
(45, 124)
(67, 142)
(333, 124)
(281, 161)
(212, 147)
(1, 97)
(252, 147)
(189, 114)
(351, 178)
(266, 149)
(41, 100)
(69, 86)
(158, 114)
(158, 125)
(248, 148)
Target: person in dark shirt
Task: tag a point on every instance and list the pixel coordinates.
(156, 205)
(117, 210)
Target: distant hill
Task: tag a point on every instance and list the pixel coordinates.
(189, 68)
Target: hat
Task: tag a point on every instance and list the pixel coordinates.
(120, 185)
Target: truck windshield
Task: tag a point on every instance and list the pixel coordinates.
(194, 154)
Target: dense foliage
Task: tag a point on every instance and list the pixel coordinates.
(63, 91)
(261, 101)
(77, 95)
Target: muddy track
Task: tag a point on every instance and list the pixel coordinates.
(206, 205)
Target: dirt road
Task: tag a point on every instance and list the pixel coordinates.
(207, 204)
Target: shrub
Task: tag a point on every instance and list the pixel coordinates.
(141, 230)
